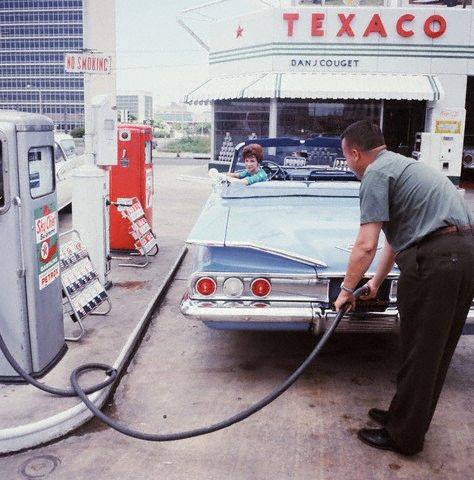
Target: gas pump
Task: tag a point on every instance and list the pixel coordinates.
(441, 151)
(132, 176)
(31, 317)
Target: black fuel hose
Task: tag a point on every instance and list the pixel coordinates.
(112, 373)
(155, 437)
(78, 391)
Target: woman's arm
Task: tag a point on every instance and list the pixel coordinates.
(238, 180)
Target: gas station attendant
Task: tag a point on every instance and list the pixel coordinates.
(429, 234)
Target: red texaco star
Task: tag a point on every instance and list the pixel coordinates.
(239, 32)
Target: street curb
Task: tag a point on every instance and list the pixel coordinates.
(31, 435)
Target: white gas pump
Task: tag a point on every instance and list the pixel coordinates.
(31, 317)
(443, 152)
(90, 214)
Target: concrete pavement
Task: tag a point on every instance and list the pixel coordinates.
(28, 416)
(185, 375)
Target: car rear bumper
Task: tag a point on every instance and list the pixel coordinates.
(239, 315)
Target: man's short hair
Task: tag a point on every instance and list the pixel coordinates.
(253, 150)
(363, 134)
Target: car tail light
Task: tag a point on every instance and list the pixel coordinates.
(206, 286)
(261, 287)
(233, 287)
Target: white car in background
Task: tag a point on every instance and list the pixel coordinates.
(66, 160)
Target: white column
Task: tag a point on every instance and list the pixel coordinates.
(213, 131)
(273, 123)
(382, 112)
(89, 214)
(99, 35)
(90, 187)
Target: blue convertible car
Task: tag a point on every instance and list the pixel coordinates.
(272, 256)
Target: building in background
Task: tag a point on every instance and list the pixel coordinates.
(34, 35)
(139, 104)
(173, 113)
(407, 65)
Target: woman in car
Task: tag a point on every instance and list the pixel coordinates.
(252, 156)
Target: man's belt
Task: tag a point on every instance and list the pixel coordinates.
(465, 229)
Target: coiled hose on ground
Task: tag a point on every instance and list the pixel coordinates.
(77, 390)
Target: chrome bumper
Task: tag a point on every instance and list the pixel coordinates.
(318, 320)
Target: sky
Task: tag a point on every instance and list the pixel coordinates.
(156, 54)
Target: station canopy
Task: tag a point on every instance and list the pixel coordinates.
(374, 86)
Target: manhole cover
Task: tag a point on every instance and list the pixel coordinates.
(39, 467)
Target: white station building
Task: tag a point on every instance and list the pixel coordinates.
(301, 71)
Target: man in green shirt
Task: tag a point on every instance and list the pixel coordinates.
(429, 233)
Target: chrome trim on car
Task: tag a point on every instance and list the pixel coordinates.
(390, 276)
(204, 244)
(348, 248)
(308, 312)
(246, 312)
(282, 253)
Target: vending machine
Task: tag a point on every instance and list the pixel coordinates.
(441, 151)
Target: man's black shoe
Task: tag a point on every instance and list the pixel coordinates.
(380, 416)
(379, 438)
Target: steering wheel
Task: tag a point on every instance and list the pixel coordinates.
(272, 169)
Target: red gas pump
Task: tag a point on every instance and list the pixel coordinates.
(131, 177)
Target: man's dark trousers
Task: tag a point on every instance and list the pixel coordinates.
(435, 291)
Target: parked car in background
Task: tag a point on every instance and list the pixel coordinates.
(272, 256)
(66, 160)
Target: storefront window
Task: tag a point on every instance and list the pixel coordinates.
(401, 121)
(236, 121)
(303, 119)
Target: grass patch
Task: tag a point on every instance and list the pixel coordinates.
(189, 144)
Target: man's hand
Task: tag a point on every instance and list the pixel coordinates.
(343, 298)
(373, 290)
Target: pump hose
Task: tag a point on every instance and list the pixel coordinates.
(112, 374)
(154, 437)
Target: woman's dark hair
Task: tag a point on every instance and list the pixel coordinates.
(253, 150)
(363, 134)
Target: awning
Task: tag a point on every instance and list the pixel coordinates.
(375, 86)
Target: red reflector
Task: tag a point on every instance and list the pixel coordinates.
(261, 287)
(206, 286)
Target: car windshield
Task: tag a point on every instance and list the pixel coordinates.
(289, 159)
(69, 147)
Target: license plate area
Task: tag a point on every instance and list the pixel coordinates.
(378, 304)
